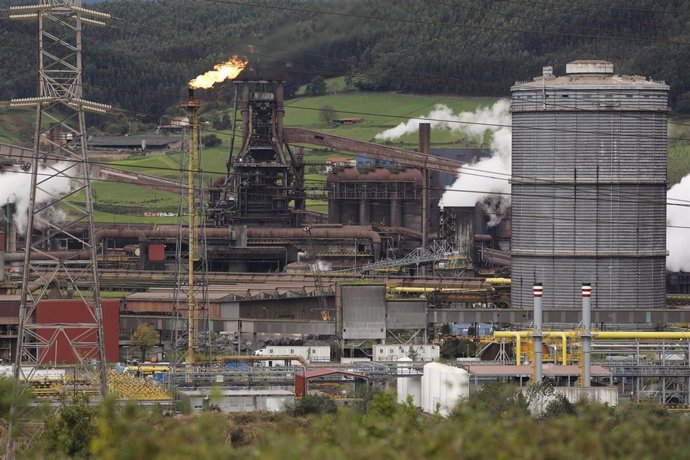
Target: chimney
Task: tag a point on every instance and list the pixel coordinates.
(425, 149)
(537, 292)
(586, 335)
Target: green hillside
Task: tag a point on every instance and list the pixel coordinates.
(380, 111)
(142, 62)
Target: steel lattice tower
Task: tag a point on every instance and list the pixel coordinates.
(60, 155)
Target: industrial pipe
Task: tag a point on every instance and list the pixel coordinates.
(424, 290)
(140, 235)
(47, 255)
(586, 336)
(563, 335)
(345, 232)
(603, 335)
(640, 335)
(537, 292)
(404, 231)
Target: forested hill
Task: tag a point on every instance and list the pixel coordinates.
(150, 49)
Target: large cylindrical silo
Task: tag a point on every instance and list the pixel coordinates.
(589, 188)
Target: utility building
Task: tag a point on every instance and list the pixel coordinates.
(589, 187)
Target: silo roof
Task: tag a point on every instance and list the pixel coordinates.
(591, 81)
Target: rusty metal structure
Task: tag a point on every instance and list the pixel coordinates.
(265, 176)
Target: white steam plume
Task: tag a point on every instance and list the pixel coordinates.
(485, 181)
(321, 266)
(677, 239)
(15, 187)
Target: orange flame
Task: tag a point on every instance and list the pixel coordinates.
(228, 70)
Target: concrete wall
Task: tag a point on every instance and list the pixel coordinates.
(238, 400)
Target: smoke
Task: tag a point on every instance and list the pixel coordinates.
(442, 117)
(16, 189)
(486, 181)
(677, 238)
(321, 266)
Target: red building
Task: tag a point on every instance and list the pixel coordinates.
(60, 314)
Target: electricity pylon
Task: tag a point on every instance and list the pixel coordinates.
(60, 204)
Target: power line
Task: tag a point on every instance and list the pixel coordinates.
(464, 169)
(680, 203)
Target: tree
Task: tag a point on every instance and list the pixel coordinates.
(69, 432)
(221, 122)
(454, 348)
(312, 404)
(316, 87)
(327, 114)
(210, 140)
(143, 338)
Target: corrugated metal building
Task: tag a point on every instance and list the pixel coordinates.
(72, 311)
(589, 188)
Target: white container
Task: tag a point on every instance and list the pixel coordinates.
(443, 387)
(316, 354)
(408, 386)
(389, 353)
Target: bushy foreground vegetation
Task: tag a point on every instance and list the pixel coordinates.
(495, 423)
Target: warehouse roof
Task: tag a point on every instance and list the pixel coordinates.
(328, 371)
(130, 142)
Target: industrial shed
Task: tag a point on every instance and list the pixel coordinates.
(325, 375)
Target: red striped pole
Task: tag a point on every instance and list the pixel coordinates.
(586, 334)
(537, 292)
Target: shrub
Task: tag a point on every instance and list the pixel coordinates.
(312, 404)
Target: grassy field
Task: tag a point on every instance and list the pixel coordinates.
(101, 217)
(379, 111)
(16, 125)
(333, 85)
(126, 203)
(213, 162)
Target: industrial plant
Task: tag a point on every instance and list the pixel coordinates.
(250, 294)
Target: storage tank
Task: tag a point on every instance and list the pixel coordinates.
(443, 387)
(589, 188)
(410, 384)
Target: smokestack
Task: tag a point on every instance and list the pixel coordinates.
(537, 292)
(425, 149)
(586, 335)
